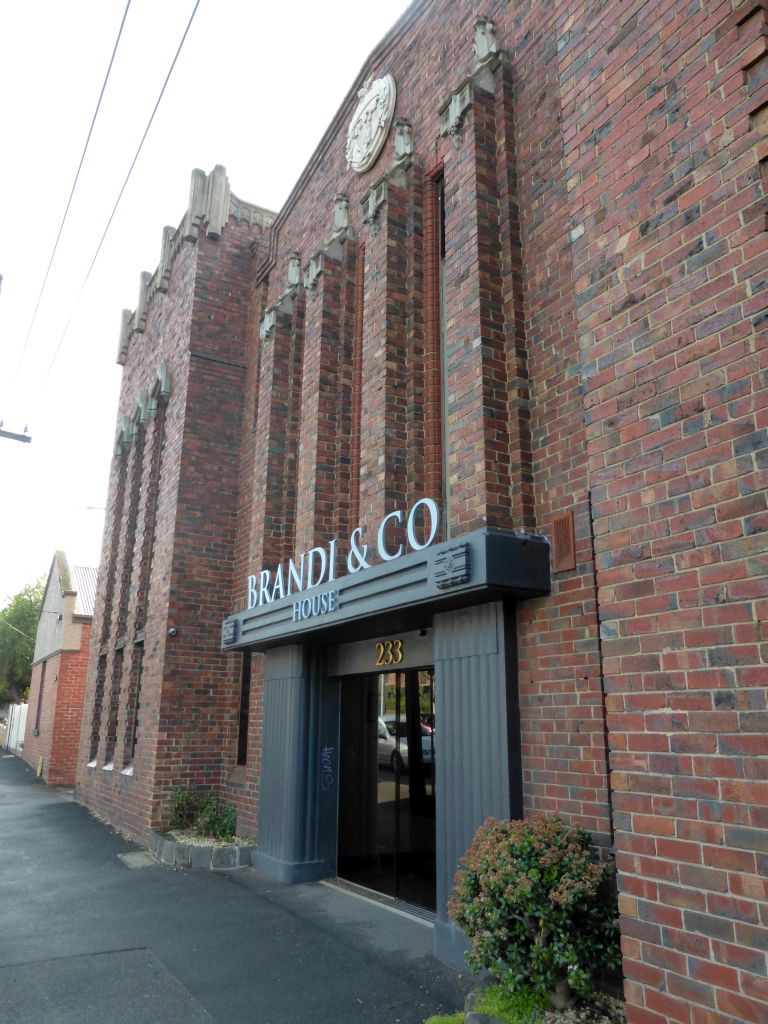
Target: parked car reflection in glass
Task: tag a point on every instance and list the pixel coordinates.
(393, 743)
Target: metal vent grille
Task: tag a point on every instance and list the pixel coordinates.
(563, 542)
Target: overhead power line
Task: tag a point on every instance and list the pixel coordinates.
(122, 190)
(7, 623)
(72, 192)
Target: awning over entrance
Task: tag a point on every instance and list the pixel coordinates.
(487, 565)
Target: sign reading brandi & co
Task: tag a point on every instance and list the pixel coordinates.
(319, 564)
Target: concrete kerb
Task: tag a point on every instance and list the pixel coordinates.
(216, 857)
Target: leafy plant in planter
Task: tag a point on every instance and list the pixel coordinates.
(205, 815)
(537, 908)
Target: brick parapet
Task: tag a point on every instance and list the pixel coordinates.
(205, 363)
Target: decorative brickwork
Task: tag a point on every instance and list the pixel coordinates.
(170, 535)
(545, 302)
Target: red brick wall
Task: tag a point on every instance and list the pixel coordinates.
(69, 713)
(189, 698)
(60, 715)
(661, 161)
(36, 747)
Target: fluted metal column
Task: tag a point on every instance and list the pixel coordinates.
(477, 760)
(299, 776)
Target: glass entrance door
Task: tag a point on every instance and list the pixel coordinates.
(386, 792)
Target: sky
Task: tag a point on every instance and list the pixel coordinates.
(254, 88)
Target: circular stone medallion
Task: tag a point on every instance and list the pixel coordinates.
(369, 126)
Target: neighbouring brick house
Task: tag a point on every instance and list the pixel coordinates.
(60, 663)
(461, 458)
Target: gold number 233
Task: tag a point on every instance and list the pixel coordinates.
(389, 652)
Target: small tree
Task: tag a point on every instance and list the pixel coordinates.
(18, 627)
(537, 907)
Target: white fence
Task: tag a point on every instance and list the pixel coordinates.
(12, 736)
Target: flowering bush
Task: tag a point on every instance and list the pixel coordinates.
(536, 906)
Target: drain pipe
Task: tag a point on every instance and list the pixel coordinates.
(601, 677)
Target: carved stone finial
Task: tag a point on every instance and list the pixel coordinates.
(161, 390)
(340, 214)
(126, 328)
(373, 201)
(142, 310)
(485, 45)
(126, 436)
(216, 201)
(162, 387)
(488, 56)
(141, 411)
(167, 252)
(294, 269)
(403, 140)
(452, 114)
(267, 324)
(314, 270)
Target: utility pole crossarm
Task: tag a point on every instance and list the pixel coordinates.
(15, 437)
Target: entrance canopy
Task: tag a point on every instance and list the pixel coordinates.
(486, 565)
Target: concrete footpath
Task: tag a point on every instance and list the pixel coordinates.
(92, 931)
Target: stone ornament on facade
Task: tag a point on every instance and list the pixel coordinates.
(161, 389)
(294, 270)
(452, 115)
(485, 44)
(314, 269)
(267, 324)
(487, 55)
(340, 215)
(370, 123)
(373, 200)
(403, 141)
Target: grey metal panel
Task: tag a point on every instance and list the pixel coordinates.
(476, 568)
(299, 779)
(475, 630)
(359, 658)
(471, 733)
(282, 758)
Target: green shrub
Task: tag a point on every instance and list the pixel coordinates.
(215, 819)
(206, 815)
(536, 906)
(524, 1006)
(183, 807)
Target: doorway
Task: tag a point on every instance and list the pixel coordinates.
(386, 836)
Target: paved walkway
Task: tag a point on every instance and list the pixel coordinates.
(92, 931)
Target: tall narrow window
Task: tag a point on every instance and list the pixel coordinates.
(443, 374)
(133, 710)
(40, 699)
(245, 703)
(357, 390)
(436, 446)
(146, 557)
(98, 703)
(114, 704)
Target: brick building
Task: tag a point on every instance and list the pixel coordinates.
(459, 460)
(59, 666)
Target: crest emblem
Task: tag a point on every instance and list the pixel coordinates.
(370, 123)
